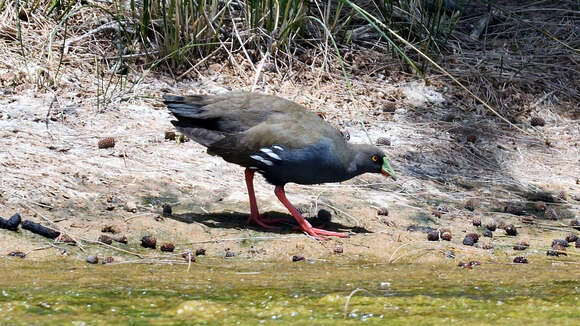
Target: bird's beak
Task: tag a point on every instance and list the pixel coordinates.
(387, 170)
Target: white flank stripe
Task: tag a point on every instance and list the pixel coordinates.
(274, 156)
(261, 159)
(278, 147)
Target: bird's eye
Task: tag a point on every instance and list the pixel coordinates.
(375, 158)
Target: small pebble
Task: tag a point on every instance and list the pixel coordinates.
(108, 260)
(469, 265)
(520, 260)
(229, 254)
(338, 250)
(105, 239)
(443, 208)
(470, 239)
(522, 245)
(487, 233)
(560, 242)
(167, 247)
(490, 224)
(575, 224)
(17, 254)
(511, 230)
(476, 221)
(167, 211)
(297, 258)
(383, 211)
(200, 252)
(571, 237)
(92, 259)
(474, 263)
(130, 206)
(149, 242)
(577, 244)
(540, 206)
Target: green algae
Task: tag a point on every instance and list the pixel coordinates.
(250, 292)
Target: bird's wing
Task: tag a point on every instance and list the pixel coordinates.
(294, 133)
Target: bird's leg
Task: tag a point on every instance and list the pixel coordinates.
(306, 227)
(254, 213)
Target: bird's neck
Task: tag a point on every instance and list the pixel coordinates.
(352, 158)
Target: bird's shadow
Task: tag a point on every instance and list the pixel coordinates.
(237, 220)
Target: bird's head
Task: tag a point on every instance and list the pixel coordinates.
(371, 159)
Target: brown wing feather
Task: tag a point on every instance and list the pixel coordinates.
(294, 130)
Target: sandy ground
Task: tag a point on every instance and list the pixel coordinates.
(445, 154)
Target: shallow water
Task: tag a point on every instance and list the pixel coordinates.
(217, 291)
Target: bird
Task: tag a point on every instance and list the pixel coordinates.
(278, 138)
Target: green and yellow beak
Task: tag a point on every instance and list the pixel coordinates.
(387, 170)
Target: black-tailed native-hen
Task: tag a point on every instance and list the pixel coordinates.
(278, 138)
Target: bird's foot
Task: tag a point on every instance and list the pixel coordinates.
(321, 234)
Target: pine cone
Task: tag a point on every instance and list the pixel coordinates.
(537, 121)
(107, 142)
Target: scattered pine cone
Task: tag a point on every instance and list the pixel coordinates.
(105, 239)
(383, 141)
(511, 230)
(170, 135)
(528, 219)
(149, 242)
(537, 121)
(168, 247)
(520, 260)
(106, 142)
(297, 258)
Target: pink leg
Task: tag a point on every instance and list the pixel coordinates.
(306, 227)
(254, 213)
